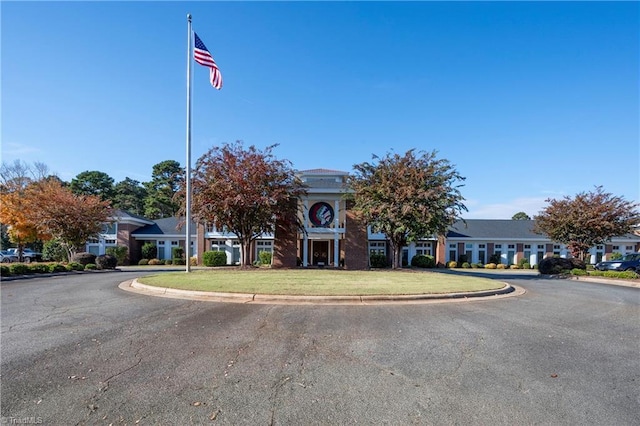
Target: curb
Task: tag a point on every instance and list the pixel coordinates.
(137, 287)
(598, 280)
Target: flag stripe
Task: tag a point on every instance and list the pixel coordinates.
(202, 56)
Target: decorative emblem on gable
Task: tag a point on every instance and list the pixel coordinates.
(321, 214)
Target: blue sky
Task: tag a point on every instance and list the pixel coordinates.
(528, 100)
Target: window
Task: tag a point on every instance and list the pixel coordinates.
(540, 246)
(482, 246)
(109, 241)
(498, 246)
(109, 228)
(161, 243)
(615, 248)
(217, 245)
(527, 246)
(174, 243)
(423, 248)
(264, 246)
(511, 246)
(377, 247)
(629, 248)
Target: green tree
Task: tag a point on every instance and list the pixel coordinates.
(129, 195)
(166, 180)
(245, 191)
(588, 219)
(93, 183)
(407, 197)
(520, 216)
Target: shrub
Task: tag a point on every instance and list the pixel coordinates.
(53, 250)
(177, 261)
(578, 272)
(154, 262)
(452, 264)
(265, 257)
(18, 269)
(514, 267)
(168, 262)
(177, 253)
(75, 266)
(4, 271)
(143, 262)
(423, 261)
(462, 258)
(106, 261)
(557, 265)
(57, 267)
(378, 261)
(120, 253)
(90, 267)
(494, 258)
(39, 268)
(193, 261)
(214, 258)
(621, 274)
(149, 251)
(476, 265)
(466, 265)
(84, 258)
(501, 266)
(525, 265)
(490, 266)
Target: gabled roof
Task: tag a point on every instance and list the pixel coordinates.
(506, 229)
(494, 229)
(323, 172)
(165, 226)
(125, 216)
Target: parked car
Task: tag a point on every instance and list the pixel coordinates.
(6, 257)
(28, 255)
(628, 262)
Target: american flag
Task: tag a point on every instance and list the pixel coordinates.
(203, 57)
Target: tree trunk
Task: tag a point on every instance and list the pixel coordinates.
(245, 259)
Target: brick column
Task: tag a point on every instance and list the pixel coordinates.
(124, 239)
(356, 243)
(200, 243)
(441, 253)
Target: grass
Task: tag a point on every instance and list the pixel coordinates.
(318, 282)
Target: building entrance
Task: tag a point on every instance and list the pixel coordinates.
(320, 253)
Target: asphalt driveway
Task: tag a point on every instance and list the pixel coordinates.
(79, 350)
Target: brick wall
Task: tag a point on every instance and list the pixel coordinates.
(356, 243)
(124, 239)
(284, 246)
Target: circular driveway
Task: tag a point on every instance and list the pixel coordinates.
(79, 350)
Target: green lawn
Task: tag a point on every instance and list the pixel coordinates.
(320, 282)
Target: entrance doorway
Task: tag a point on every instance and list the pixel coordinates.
(320, 253)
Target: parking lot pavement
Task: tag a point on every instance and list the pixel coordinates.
(77, 351)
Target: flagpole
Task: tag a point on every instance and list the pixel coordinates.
(188, 165)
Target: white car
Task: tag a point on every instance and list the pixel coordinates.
(28, 255)
(6, 257)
